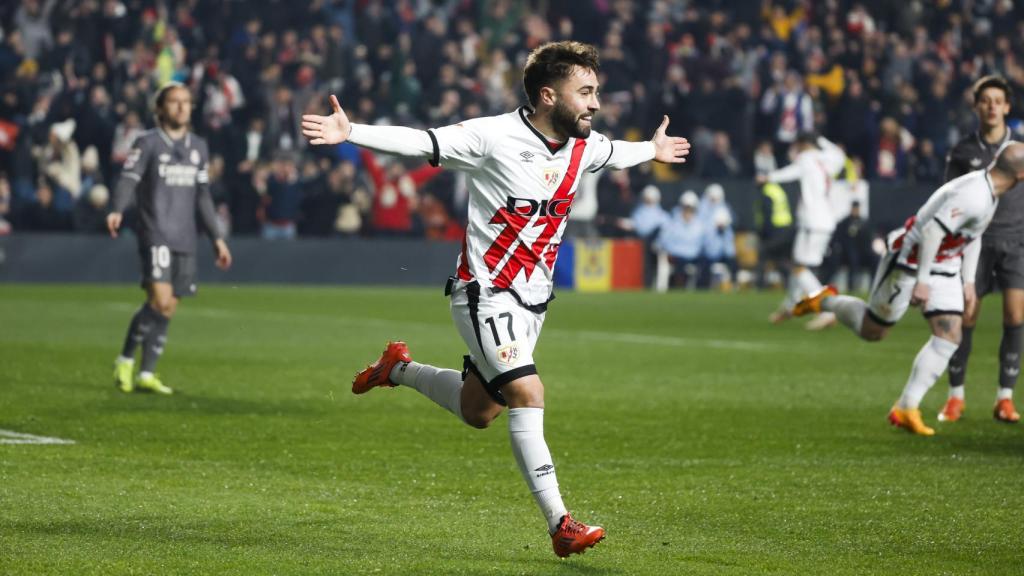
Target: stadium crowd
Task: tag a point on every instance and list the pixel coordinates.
(888, 81)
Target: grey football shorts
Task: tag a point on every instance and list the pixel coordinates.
(1000, 265)
(161, 264)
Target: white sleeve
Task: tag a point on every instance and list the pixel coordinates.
(787, 173)
(928, 247)
(392, 139)
(969, 264)
(618, 154)
(462, 146)
(835, 158)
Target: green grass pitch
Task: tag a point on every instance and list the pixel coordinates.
(703, 439)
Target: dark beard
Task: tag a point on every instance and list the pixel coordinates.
(565, 122)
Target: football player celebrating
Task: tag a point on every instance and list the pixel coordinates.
(523, 170)
(930, 263)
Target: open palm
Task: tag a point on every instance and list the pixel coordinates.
(669, 149)
(333, 129)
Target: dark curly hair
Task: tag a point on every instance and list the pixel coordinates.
(556, 61)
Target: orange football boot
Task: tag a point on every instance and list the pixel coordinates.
(573, 537)
(909, 420)
(811, 304)
(1005, 412)
(952, 411)
(379, 373)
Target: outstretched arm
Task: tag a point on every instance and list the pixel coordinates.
(660, 148)
(337, 128)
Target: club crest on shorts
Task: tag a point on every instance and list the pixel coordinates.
(508, 354)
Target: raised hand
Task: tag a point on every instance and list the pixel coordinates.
(333, 129)
(669, 149)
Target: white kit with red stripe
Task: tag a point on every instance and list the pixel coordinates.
(521, 190)
(963, 207)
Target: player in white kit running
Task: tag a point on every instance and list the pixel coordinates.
(930, 263)
(522, 170)
(816, 164)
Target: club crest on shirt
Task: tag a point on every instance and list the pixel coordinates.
(508, 354)
(194, 157)
(164, 158)
(551, 177)
(975, 162)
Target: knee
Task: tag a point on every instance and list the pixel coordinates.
(164, 306)
(478, 420)
(1012, 318)
(873, 335)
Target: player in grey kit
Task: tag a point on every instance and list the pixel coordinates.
(165, 174)
(1001, 263)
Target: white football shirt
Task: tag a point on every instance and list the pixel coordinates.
(963, 207)
(521, 189)
(815, 169)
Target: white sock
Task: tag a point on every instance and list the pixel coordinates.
(801, 284)
(929, 364)
(848, 309)
(441, 385)
(956, 392)
(1003, 393)
(526, 433)
(123, 360)
(143, 375)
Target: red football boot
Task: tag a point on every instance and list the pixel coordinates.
(379, 373)
(574, 537)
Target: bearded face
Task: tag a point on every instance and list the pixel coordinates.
(571, 121)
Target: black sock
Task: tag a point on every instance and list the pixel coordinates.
(136, 332)
(156, 337)
(1009, 356)
(958, 363)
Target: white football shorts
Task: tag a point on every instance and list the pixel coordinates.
(893, 285)
(499, 332)
(810, 247)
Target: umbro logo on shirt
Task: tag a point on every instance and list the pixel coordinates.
(527, 156)
(975, 162)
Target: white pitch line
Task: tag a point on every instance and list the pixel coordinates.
(12, 437)
(672, 341)
(592, 335)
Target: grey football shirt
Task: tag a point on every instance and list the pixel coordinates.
(169, 182)
(973, 153)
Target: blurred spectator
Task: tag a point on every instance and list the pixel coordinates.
(282, 199)
(719, 247)
(5, 205)
(711, 203)
(682, 239)
(615, 202)
(91, 211)
(395, 201)
(851, 249)
(43, 215)
(124, 136)
(927, 166)
(891, 156)
(60, 161)
(791, 109)
(721, 162)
